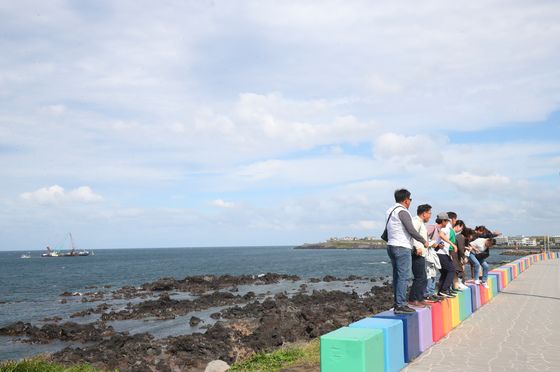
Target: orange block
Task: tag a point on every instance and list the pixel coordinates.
(446, 313)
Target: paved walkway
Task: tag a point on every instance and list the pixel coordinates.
(519, 330)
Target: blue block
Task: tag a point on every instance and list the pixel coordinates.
(394, 340)
(475, 296)
(467, 305)
(411, 332)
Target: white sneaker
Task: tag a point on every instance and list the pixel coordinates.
(477, 281)
(485, 285)
(462, 286)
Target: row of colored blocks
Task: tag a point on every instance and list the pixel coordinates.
(388, 341)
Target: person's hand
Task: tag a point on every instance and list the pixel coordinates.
(454, 247)
(435, 245)
(419, 251)
(426, 244)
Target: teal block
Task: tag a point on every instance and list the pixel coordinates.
(467, 307)
(393, 337)
(353, 350)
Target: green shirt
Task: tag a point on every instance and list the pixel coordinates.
(452, 238)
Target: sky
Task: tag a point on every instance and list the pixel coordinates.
(232, 123)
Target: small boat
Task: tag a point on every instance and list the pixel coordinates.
(26, 255)
(72, 253)
(50, 253)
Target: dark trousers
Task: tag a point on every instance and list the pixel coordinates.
(447, 272)
(420, 280)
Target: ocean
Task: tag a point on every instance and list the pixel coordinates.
(30, 288)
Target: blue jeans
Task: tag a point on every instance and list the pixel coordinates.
(476, 265)
(430, 287)
(401, 260)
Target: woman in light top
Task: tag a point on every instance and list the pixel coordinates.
(479, 250)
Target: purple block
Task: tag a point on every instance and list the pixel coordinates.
(411, 333)
(425, 327)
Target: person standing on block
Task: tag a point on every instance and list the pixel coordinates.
(432, 266)
(447, 270)
(458, 227)
(419, 253)
(400, 234)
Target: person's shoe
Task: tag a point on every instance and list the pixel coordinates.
(451, 294)
(418, 303)
(438, 297)
(444, 295)
(477, 282)
(404, 310)
(485, 285)
(461, 286)
(453, 290)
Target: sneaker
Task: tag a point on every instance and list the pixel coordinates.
(477, 282)
(445, 295)
(485, 285)
(404, 310)
(462, 286)
(451, 294)
(453, 290)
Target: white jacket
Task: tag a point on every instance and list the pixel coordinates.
(398, 236)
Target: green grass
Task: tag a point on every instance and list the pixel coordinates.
(39, 364)
(295, 355)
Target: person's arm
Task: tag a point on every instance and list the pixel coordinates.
(446, 239)
(460, 244)
(409, 227)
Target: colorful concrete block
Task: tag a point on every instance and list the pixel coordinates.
(424, 327)
(493, 283)
(353, 349)
(411, 332)
(455, 319)
(465, 303)
(475, 296)
(437, 321)
(446, 312)
(393, 336)
(483, 295)
(499, 278)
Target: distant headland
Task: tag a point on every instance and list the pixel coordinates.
(346, 243)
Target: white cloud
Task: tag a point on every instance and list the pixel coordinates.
(415, 150)
(220, 203)
(57, 195)
(474, 182)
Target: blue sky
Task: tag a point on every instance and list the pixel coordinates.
(200, 123)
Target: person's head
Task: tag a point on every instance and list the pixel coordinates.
(402, 196)
(452, 217)
(442, 219)
(480, 229)
(458, 226)
(468, 234)
(424, 211)
(489, 243)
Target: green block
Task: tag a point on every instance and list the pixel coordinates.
(353, 350)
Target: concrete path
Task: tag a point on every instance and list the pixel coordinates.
(519, 330)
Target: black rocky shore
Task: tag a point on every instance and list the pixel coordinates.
(246, 324)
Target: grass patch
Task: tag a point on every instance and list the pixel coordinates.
(294, 355)
(39, 364)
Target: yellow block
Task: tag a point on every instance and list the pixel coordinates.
(455, 319)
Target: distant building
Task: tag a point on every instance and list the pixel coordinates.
(523, 241)
(502, 240)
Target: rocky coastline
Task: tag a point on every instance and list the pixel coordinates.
(250, 317)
